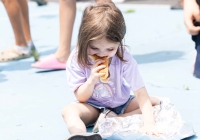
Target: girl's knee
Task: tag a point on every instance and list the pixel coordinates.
(69, 110)
(154, 101)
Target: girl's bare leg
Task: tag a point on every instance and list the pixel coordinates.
(15, 15)
(133, 107)
(78, 115)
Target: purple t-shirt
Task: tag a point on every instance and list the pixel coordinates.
(116, 91)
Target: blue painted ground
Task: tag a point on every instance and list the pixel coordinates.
(31, 100)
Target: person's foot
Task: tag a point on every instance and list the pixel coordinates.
(177, 6)
(34, 51)
(18, 52)
(49, 63)
(62, 55)
(40, 2)
(85, 136)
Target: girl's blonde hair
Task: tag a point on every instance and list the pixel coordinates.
(99, 21)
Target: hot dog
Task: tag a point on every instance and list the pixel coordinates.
(103, 78)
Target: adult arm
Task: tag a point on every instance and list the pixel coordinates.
(191, 13)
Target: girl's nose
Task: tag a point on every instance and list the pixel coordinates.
(102, 54)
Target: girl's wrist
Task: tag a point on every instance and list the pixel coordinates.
(90, 82)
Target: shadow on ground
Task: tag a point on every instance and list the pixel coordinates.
(191, 138)
(141, 59)
(48, 16)
(158, 56)
(47, 71)
(2, 78)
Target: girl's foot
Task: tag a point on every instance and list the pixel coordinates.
(84, 136)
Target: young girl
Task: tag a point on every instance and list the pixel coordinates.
(101, 32)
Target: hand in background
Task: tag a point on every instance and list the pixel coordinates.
(191, 14)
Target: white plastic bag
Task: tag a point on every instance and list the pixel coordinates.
(167, 118)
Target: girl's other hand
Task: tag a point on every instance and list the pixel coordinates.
(95, 75)
(150, 130)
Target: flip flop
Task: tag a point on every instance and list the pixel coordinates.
(49, 63)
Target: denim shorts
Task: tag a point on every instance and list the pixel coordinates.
(118, 110)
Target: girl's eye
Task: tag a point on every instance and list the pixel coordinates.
(110, 49)
(93, 48)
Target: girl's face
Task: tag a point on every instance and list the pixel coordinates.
(103, 48)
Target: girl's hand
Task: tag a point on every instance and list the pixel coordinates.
(150, 130)
(94, 76)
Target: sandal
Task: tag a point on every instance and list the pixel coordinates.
(105, 114)
(34, 52)
(85, 136)
(11, 54)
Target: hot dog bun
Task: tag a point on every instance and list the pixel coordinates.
(104, 78)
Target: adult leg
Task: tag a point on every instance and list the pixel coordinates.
(78, 115)
(67, 17)
(15, 16)
(133, 107)
(25, 19)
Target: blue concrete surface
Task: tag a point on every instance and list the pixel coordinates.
(31, 100)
